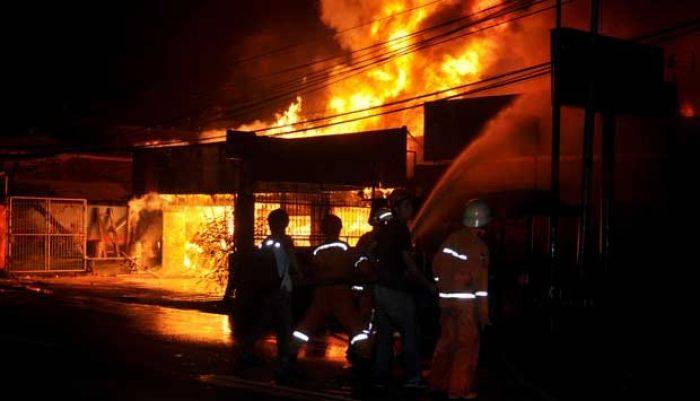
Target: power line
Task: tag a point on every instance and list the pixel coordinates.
(392, 111)
(405, 100)
(336, 34)
(536, 74)
(513, 76)
(204, 105)
(676, 30)
(358, 70)
(344, 54)
(320, 81)
(684, 28)
(314, 86)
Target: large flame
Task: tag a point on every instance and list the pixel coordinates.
(435, 69)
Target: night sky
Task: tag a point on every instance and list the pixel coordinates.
(80, 71)
(76, 67)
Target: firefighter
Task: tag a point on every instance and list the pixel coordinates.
(275, 307)
(461, 268)
(366, 262)
(332, 272)
(397, 276)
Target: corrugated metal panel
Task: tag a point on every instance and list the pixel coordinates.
(356, 159)
(197, 169)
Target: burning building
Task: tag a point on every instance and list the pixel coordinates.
(182, 219)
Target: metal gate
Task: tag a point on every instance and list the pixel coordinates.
(47, 235)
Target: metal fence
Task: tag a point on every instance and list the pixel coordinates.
(47, 235)
(307, 210)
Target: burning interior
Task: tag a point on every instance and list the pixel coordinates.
(191, 235)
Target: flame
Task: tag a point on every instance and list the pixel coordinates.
(194, 233)
(289, 116)
(408, 74)
(355, 222)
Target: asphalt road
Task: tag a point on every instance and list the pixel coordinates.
(70, 342)
(88, 348)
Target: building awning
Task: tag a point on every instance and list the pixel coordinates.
(356, 159)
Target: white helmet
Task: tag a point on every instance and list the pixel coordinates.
(476, 214)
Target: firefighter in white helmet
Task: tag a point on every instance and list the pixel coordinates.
(461, 267)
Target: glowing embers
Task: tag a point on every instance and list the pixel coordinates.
(457, 295)
(338, 244)
(452, 252)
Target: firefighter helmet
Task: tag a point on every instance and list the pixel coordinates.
(377, 204)
(381, 216)
(476, 214)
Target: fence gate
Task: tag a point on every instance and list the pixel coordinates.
(47, 235)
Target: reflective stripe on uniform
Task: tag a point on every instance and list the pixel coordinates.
(481, 294)
(340, 245)
(270, 243)
(303, 337)
(458, 295)
(359, 337)
(360, 260)
(357, 288)
(454, 253)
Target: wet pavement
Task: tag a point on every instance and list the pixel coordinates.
(92, 342)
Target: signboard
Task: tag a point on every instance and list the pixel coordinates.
(450, 125)
(627, 77)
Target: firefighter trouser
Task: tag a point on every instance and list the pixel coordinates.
(395, 310)
(332, 302)
(457, 351)
(364, 296)
(275, 310)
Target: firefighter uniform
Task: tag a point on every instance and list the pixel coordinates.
(364, 265)
(461, 269)
(332, 265)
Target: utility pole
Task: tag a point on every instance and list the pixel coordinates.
(608, 175)
(553, 248)
(588, 135)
